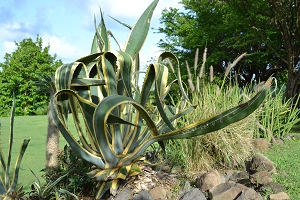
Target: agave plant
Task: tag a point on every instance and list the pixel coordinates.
(113, 126)
(8, 185)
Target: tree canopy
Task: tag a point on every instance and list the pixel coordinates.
(267, 30)
(20, 70)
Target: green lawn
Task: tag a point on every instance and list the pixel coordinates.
(286, 158)
(35, 128)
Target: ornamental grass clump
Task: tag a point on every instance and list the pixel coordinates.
(277, 116)
(224, 148)
(115, 128)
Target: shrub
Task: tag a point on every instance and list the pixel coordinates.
(75, 169)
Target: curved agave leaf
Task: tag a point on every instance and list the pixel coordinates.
(89, 58)
(167, 55)
(18, 164)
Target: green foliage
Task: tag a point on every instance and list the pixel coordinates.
(229, 29)
(19, 70)
(50, 190)
(8, 185)
(116, 128)
(277, 116)
(74, 168)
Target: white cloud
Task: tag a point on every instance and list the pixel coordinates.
(9, 47)
(10, 31)
(64, 50)
(131, 9)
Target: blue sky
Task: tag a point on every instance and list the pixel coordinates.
(68, 25)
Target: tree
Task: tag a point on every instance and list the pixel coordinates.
(19, 71)
(267, 30)
(284, 15)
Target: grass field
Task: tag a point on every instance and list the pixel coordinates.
(286, 157)
(35, 128)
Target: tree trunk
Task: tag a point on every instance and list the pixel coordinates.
(52, 144)
(293, 84)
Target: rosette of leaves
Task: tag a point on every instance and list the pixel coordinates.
(108, 108)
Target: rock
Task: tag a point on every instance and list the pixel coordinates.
(289, 136)
(296, 137)
(125, 194)
(143, 195)
(241, 186)
(158, 193)
(261, 178)
(261, 163)
(237, 176)
(193, 194)
(272, 187)
(250, 194)
(208, 180)
(277, 141)
(261, 144)
(223, 178)
(227, 175)
(224, 191)
(279, 196)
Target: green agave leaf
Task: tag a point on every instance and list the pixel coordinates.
(63, 80)
(18, 164)
(2, 187)
(147, 85)
(51, 185)
(126, 68)
(166, 55)
(38, 184)
(89, 58)
(12, 118)
(162, 127)
(103, 187)
(159, 90)
(3, 164)
(124, 24)
(63, 191)
(139, 31)
(109, 67)
(103, 175)
(101, 41)
(87, 82)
